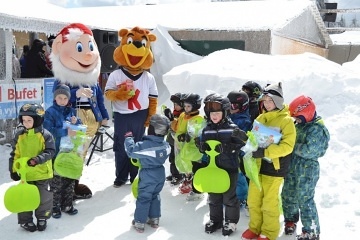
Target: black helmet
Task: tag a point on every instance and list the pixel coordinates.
(253, 89)
(215, 103)
(194, 99)
(33, 110)
(160, 124)
(176, 98)
(239, 100)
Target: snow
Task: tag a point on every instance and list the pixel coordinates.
(334, 88)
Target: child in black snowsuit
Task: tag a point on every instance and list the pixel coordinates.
(219, 127)
(175, 177)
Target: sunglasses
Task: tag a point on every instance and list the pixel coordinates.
(213, 107)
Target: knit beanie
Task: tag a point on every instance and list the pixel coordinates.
(62, 89)
(275, 92)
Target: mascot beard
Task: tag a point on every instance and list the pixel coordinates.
(72, 77)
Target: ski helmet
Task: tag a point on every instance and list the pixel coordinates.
(194, 99)
(176, 98)
(303, 106)
(33, 110)
(239, 100)
(160, 124)
(216, 103)
(253, 89)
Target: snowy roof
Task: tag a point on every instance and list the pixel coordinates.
(240, 15)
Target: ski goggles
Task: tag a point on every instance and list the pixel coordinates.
(213, 107)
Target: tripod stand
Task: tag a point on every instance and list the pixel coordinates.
(99, 136)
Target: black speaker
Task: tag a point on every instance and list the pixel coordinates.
(107, 41)
(330, 17)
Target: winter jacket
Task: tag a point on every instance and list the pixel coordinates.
(228, 159)
(54, 119)
(152, 153)
(254, 110)
(242, 120)
(96, 101)
(312, 140)
(38, 144)
(279, 153)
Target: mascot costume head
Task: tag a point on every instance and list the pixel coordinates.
(134, 52)
(75, 56)
(133, 92)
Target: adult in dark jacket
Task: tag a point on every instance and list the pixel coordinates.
(36, 66)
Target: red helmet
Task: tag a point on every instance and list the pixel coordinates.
(303, 106)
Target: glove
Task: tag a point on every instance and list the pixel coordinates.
(204, 147)
(181, 137)
(239, 134)
(197, 142)
(187, 137)
(14, 176)
(259, 153)
(128, 134)
(219, 148)
(32, 162)
(84, 92)
(169, 114)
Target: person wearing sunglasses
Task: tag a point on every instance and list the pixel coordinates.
(239, 114)
(264, 204)
(224, 207)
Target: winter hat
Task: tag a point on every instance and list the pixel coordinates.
(62, 89)
(275, 92)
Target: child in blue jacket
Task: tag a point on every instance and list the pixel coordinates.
(152, 153)
(55, 116)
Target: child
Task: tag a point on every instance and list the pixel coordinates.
(175, 177)
(239, 114)
(33, 141)
(192, 103)
(312, 139)
(55, 116)
(152, 153)
(254, 91)
(219, 127)
(264, 204)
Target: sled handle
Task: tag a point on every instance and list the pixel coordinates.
(20, 167)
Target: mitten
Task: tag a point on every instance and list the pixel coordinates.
(169, 114)
(128, 134)
(121, 94)
(32, 162)
(14, 176)
(259, 153)
(187, 137)
(239, 134)
(181, 137)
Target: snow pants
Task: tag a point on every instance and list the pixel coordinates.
(46, 203)
(264, 206)
(298, 194)
(229, 200)
(63, 190)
